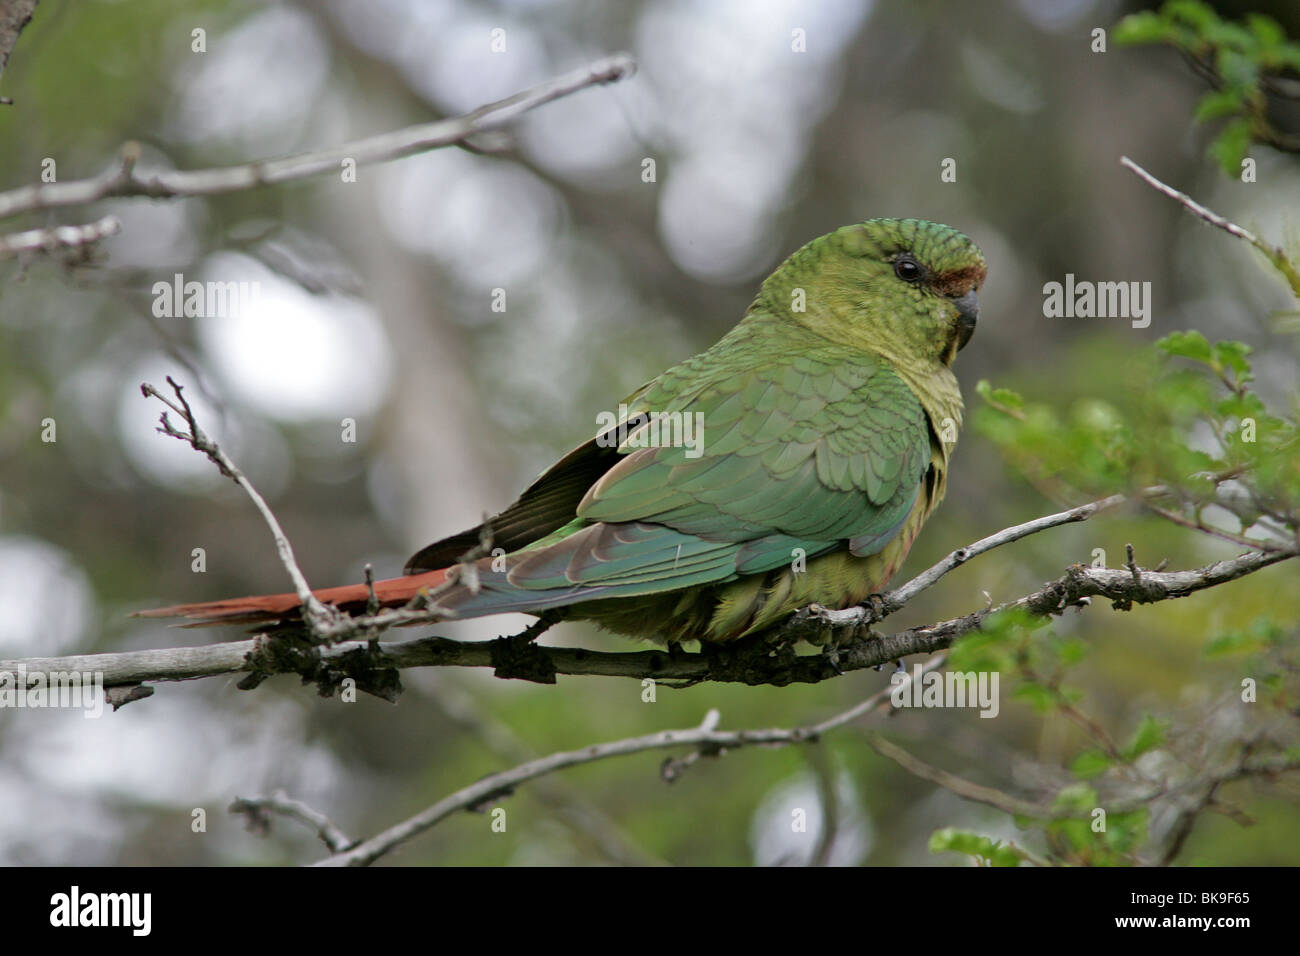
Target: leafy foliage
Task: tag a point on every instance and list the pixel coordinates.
(1242, 61)
(985, 851)
(1191, 424)
(1193, 439)
(1169, 764)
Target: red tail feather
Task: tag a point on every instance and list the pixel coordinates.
(269, 607)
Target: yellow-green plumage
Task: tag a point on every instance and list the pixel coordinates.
(828, 415)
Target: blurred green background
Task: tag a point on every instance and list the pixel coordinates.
(375, 305)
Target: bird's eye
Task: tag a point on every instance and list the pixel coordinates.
(907, 269)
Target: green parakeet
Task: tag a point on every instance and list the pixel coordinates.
(792, 463)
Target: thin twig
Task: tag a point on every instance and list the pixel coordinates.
(958, 785)
(318, 616)
(1274, 254)
(1201, 526)
(500, 784)
(568, 804)
(56, 238)
(256, 809)
(894, 600)
(125, 180)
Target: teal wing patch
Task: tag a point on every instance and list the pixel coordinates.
(810, 451)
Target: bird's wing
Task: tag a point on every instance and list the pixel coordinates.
(811, 450)
(549, 503)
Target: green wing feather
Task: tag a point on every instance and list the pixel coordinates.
(806, 451)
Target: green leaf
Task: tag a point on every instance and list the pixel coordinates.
(1190, 345)
(1266, 30)
(1076, 798)
(1237, 406)
(1262, 634)
(1238, 70)
(1072, 651)
(949, 840)
(1076, 831)
(983, 651)
(1285, 58)
(1140, 28)
(1090, 763)
(1231, 354)
(1233, 39)
(1192, 12)
(1234, 642)
(1219, 104)
(1230, 146)
(1002, 398)
(1125, 832)
(1036, 695)
(1150, 733)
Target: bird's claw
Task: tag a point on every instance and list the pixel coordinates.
(875, 604)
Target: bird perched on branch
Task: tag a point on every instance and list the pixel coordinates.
(819, 428)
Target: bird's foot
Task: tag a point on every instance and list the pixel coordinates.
(831, 655)
(876, 608)
(545, 621)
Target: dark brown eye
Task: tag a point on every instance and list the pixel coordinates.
(907, 269)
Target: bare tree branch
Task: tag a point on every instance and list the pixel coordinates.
(567, 804)
(888, 603)
(963, 788)
(767, 659)
(55, 238)
(1274, 254)
(709, 741)
(315, 613)
(706, 737)
(257, 810)
(126, 180)
(14, 16)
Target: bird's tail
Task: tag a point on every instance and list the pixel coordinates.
(393, 592)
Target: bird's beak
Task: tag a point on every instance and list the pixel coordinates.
(968, 312)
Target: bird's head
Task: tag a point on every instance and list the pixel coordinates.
(902, 288)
